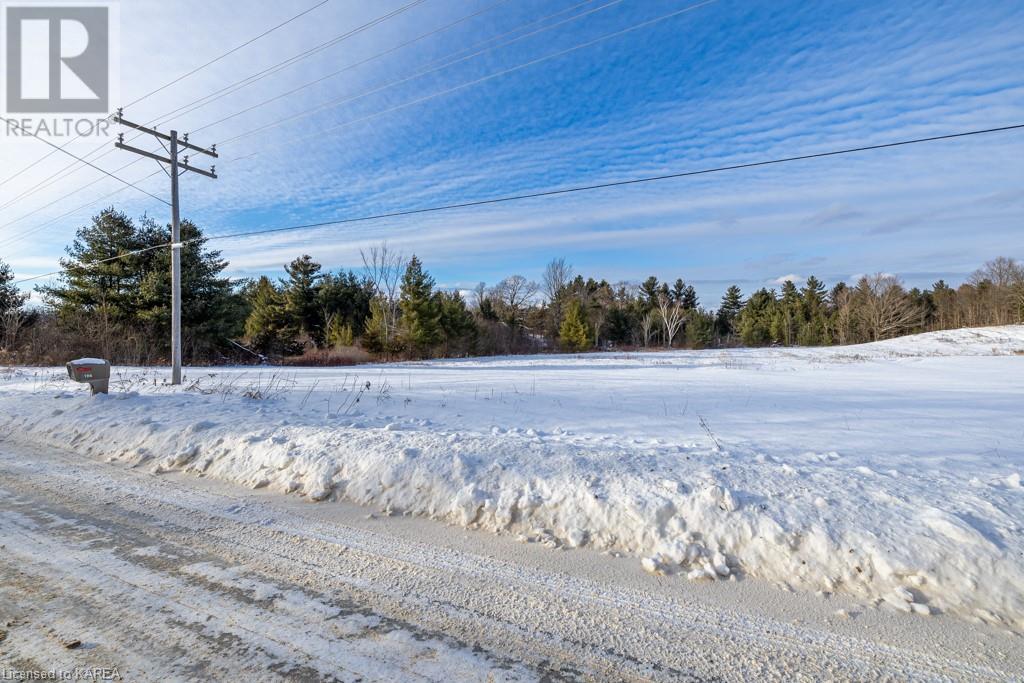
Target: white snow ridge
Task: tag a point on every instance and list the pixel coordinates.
(890, 471)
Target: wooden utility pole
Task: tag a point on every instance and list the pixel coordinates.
(176, 169)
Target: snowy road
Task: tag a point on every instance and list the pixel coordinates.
(176, 578)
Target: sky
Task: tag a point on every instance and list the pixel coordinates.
(451, 101)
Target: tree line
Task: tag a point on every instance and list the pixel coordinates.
(392, 308)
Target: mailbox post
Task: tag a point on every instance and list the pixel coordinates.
(91, 371)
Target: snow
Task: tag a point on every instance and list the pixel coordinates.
(887, 471)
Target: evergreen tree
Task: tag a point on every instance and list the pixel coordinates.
(487, 310)
(10, 298)
(621, 325)
(212, 311)
(573, 333)
(128, 298)
(788, 316)
(813, 325)
(344, 300)
(108, 290)
(301, 298)
(421, 311)
(458, 327)
(268, 328)
(375, 334)
(700, 329)
(339, 333)
(835, 296)
(664, 292)
(650, 290)
(678, 291)
(689, 300)
(732, 304)
(755, 320)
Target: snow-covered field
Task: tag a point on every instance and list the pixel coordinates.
(890, 471)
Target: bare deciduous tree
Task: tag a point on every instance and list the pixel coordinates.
(556, 277)
(999, 285)
(479, 294)
(514, 295)
(843, 318)
(884, 308)
(11, 323)
(384, 269)
(671, 314)
(601, 303)
(647, 327)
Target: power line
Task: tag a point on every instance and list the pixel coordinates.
(349, 98)
(167, 85)
(226, 54)
(275, 68)
(89, 163)
(361, 62)
(621, 183)
(33, 212)
(175, 168)
(65, 172)
(230, 89)
(568, 190)
(90, 264)
(15, 238)
(244, 82)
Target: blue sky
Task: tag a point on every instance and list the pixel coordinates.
(726, 82)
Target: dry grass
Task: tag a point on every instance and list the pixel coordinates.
(339, 357)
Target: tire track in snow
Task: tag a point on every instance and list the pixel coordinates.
(583, 621)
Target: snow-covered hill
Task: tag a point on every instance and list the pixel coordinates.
(890, 470)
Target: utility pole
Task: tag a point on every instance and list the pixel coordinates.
(176, 169)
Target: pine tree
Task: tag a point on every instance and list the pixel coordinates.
(108, 291)
(813, 325)
(787, 320)
(458, 327)
(344, 300)
(421, 312)
(339, 333)
(268, 329)
(128, 298)
(689, 299)
(10, 298)
(836, 294)
(678, 291)
(732, 304)
(301, 298)
(755, 320)
(376, 337)
(211, 310)
(573, 333)
(700, 329)
(650, 290)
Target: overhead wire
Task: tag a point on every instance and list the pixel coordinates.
(378, 55)
(75, 166)
(433, 69)
(566, 191)
(84, 161)
(176, 80)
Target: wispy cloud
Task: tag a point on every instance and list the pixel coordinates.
(725, 85)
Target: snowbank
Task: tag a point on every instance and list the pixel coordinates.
(889, 470)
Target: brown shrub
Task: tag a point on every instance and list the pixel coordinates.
(341, 356)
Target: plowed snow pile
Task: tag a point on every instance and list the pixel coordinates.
(890, 470)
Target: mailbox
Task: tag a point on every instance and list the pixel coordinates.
(92, 371)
